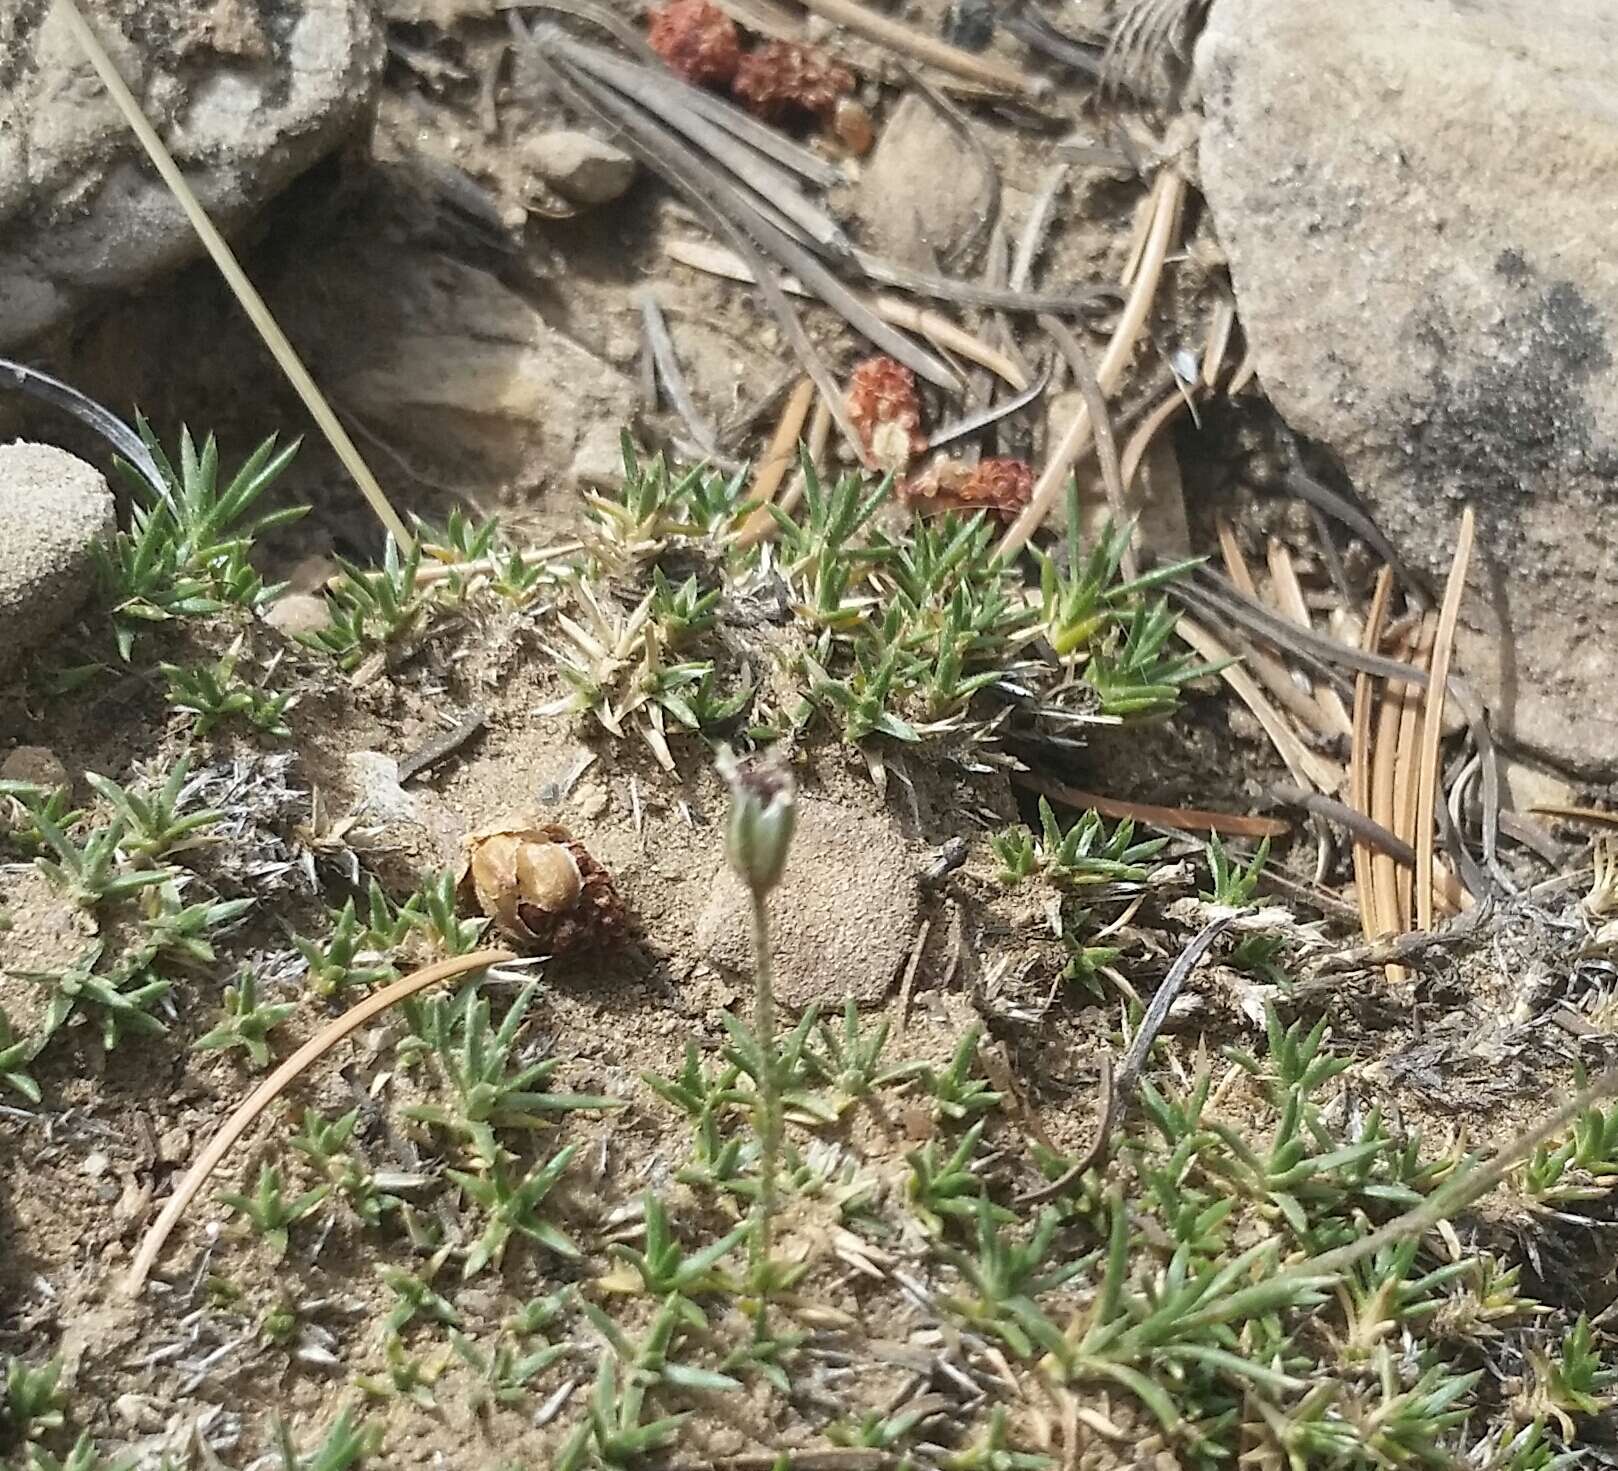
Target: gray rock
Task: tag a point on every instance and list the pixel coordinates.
(913, 201)
(245, 105)
(298, 612)
(53, 510)
(1417, 205)
(580, 166)
(452, 361)
(843, 919)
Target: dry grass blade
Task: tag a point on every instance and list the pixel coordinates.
(1406, 776)
(993, 414)
(273, 1086)
(875, 26)
(1308, 767)
(1169, 195)
(1146, 29)
(703, 188)
(777, 460)
(1359, 763)
(1164, 412)
(1289, 597)
(717, 261)
(245, 292)
(1236, 568)
(669, 373)
(1179, 819)
(431, 572)
(946, 334)
(814, 449)
(1587, 816)
(1112, 478)
(668, 99)
(1433, 721)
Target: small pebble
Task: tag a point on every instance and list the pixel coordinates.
(95, 1165)
(297, 612)
(580, 166)
(37, 764)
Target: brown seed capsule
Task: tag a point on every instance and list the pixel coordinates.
(851, 125)
(539, 887)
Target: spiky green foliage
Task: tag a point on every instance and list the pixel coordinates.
(955, 1092)
(155, 822)
(215, 694)
(474, 1058)
(84, 1456)
(1233, 883)
(35, 1401)
(1080, 606)
(120, 998)
(94, 872)
(269, 1212)
(663, 1265)
(247, 1022)
(186, 550)
(374, 610)
(347, 1444)
(512, 1206)
(1087, 853)
(16, 1054)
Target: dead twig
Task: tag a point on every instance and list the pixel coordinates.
(974, 423)
(243, 289)
(772, 468)
(1168, 195)
(669, 373)
(273, 1086)
(709, 193)
(1177, 819)
(875, 26)
(1308, 767)
(443, 745)
(717, 261)
(1112, 478)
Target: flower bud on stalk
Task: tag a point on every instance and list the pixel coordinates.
(763, 810)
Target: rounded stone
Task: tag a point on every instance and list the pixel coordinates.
(580, 167)
(54, 508)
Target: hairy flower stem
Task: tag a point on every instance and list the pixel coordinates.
(768, 1086)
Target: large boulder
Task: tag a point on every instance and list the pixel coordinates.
(54, 508)
(246, 93)
(1419, 209)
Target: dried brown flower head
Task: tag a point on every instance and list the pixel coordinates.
(886, 410)
(999, 485)
(783, 81)
(697, 40)
(540, 887)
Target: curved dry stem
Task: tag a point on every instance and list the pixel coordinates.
(273, 1086)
